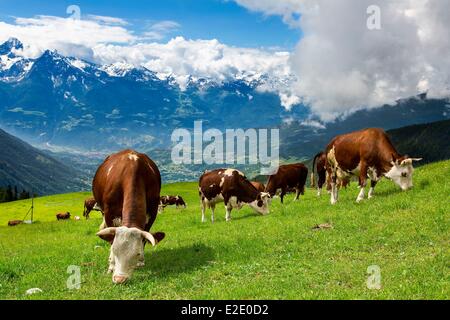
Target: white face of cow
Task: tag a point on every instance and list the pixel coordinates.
(261, 204)
(401, 173)
(126, 250)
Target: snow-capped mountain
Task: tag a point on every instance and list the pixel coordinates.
(58, 100)
(13, 67)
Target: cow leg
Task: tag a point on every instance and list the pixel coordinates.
(362, 182)
(283, 192)
(228, 209)
(213, 207)
(203, 204)
(371, 190)
(334, 190)
(297, 193)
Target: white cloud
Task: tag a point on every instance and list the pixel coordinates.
(342, 66)
(160, 30)
(182, 58)
(68, 36)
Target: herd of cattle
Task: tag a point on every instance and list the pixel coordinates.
(127, 185)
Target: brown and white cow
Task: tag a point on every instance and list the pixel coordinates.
(366, 154)
(126, 187)
(63, 216)
(258, 185)
(89, 205)
(319, 163)
(231, 187)
(165, 201)
(288, 176)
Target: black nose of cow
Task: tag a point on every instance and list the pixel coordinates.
(404, 174)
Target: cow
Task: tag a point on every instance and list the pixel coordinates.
(126, 187)
(89, 205)
(367, 153)
(231, 187)
(288, 176)
(165, 201)
(320, 167)
(258, 185)
(12, 223)
(63, 216)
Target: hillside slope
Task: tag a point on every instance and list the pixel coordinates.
(431, 141)
(278, 256)
(28, 168)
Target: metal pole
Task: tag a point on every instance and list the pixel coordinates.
(32, 205)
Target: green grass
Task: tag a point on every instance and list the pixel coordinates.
(277, 256)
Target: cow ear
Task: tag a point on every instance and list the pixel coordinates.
(107, 234)
(149, 237)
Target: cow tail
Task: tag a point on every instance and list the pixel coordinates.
(313, 183)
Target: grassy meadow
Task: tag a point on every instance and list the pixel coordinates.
(278, 256)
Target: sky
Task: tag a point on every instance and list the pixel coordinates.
(223, 20)
(335, 57)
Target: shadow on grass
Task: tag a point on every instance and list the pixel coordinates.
(168, 262)
(423, 184)
(387, 193)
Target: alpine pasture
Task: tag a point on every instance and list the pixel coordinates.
(278, 256)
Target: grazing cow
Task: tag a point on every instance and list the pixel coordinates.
(321, 159)
(258, 185)
(232, 187)
(63, 216)
(165, 201)
(126, 187)
(320, 167)
(89, 205)
(12, 223)
(366, 154)
(288, 176)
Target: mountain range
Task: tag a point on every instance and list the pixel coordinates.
(55, 100)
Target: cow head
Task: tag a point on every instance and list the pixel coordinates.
(127, 250)
(261, 204)
(401, 172)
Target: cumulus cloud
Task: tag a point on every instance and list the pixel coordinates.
(181, 58)
(342, 66)
(69, 36)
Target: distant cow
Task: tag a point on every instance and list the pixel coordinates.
(63, 216)
(232, 187)
(319, 163)
(89, 205)
(165, 201)
(366, 154)
(258, 185)
(12, 223)
(288, 176)
(127, 186)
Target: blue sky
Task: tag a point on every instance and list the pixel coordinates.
(224, 20)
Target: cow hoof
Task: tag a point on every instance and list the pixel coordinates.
(140, 264)
(359, 200)
(110, 270)
(333, 202)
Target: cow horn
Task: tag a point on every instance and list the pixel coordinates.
(107, 231)
(416, 159)
(406, 161)
(149, 237)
